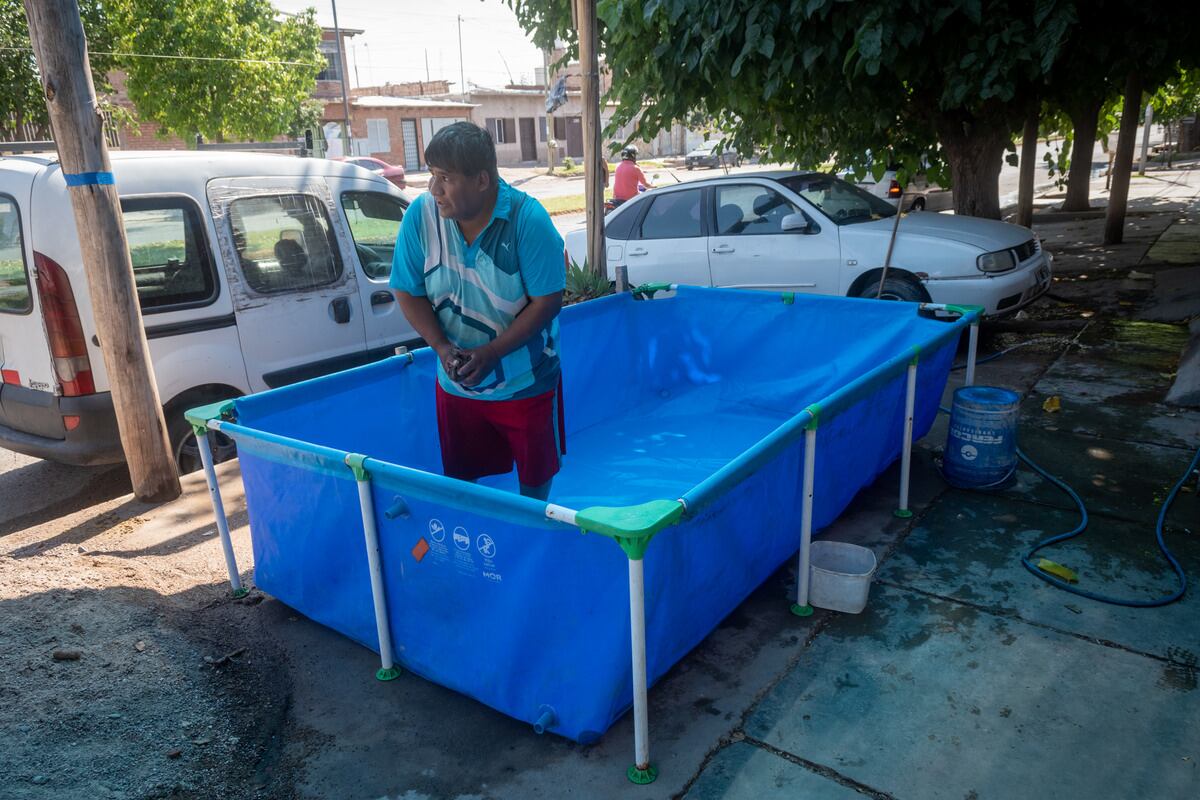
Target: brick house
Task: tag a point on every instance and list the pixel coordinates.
(396, 129)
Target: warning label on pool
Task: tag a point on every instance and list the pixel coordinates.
(471, 556)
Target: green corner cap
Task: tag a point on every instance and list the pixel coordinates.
(964, 310)
(814, 411)
(631, 526)
(788, 298)
(642, 776)
(648, 289)
(200, 415)
(902, 513)
(355, 462)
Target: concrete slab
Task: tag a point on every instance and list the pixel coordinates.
(968, 547)
(931, 699)
(1178, 244)
(742, 771)
(1176, 294)
(353, 736)
(1125, 480)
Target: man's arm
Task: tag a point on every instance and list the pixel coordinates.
(532, 319)
(419, 313)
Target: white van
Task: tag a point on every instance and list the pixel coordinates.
(253, 271)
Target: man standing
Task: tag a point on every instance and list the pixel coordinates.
(478, 272)
(629, 177)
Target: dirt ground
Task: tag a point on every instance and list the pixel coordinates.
(125, 671)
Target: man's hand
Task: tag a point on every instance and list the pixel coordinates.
(448, 354)
(479, 363)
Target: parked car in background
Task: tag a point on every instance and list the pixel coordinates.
(919, 194)
(812, 232)
(252, 272)
(706, 155)
(392, 172)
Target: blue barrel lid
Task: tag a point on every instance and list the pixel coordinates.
(987, 396)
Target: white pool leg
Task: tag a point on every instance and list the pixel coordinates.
(801, 608)
(642, 771)
(972, 347)
(214, 493)
(387, 670)
(910, 402)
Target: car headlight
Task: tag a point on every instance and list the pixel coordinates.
(1000, 261)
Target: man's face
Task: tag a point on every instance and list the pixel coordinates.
(458, 196)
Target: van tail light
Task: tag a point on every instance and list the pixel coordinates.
(894, 190)
(64, 331)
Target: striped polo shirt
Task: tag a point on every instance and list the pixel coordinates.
(477, 290)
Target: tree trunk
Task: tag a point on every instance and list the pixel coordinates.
(1084, 119)
(1114, 221)
(1028, 164)
(976, 154)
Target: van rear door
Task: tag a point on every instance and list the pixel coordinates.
(288, 260)
(24, 353)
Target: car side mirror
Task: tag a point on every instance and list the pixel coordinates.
(798, 223)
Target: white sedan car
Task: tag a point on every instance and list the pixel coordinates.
(811, 232)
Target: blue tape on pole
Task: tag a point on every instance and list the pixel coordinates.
(89, 179)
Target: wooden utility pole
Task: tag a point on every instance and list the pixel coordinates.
(61, 51)
(1027, 165)
(593, 176)
(1118, 197)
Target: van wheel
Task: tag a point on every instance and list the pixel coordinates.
(918, 204)
(895, 287)
(186, 448)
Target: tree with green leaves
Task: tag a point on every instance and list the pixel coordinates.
(21, 101)
(944, 82)
(1177, 98)
(224, 69)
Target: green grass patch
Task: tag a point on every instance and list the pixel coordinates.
(569, 203)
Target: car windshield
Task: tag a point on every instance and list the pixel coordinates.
(842, 202)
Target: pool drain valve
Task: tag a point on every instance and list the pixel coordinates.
(546, 720)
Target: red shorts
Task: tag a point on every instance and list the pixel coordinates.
(485, 437)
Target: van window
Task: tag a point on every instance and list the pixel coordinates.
(285, 242)
(14, 280)
(172, 264)
(374, 220)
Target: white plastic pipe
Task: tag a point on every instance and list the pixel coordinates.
(806, 514)
(637, 633)
(972, 348)
(214, 493)
(910, 402)
(374, 564)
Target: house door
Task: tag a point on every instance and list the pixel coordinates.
(528, 139)
(408, 132)
(575, 137)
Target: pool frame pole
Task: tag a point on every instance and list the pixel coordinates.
(801, 608)
(972, 348)
(910, 403)
(387, 670)
(642, 771)
(214, 493)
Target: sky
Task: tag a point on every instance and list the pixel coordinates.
(399, 33)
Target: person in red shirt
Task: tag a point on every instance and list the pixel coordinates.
(629, 177)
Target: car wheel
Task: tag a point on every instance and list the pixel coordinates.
(895, 287)
(691, 167)
(917, 204)
(185, 447)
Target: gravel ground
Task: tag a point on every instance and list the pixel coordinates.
(124, 673)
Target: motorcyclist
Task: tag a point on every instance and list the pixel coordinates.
(629, 179)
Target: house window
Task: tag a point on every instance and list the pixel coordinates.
(503, 129)
(541, 129)
(333, 66)
(378, 138)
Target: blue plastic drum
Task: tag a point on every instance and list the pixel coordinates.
(981, 448)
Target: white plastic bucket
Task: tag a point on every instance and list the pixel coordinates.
(840, 576)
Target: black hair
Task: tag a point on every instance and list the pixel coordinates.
(463, 147)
